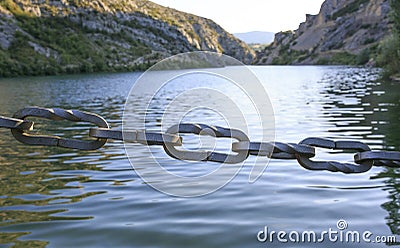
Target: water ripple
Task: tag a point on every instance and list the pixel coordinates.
(60, 197)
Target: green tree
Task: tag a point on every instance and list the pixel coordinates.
(389, 57)
(395, 4)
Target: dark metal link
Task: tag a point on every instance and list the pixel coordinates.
(12, 123)
(105, 133)
(142, 137)
(59, 114)
(387, 163)
(202, 129)
(365, 158)
(380, 158)
(334, 166)
(276, 150)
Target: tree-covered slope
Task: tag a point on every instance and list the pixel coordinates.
(44, 37)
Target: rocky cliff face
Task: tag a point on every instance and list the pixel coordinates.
(58, 36)
(344, 31)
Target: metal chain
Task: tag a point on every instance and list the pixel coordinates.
(58, 114)
(277, 150)
(202, 129)
(362, 166)
(142, 137)
(380, 158)
(303, 152)
(12, 123)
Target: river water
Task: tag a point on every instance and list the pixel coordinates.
(66, 198)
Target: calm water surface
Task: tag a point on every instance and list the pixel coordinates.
(64, 198)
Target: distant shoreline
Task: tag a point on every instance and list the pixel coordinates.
(142, 71)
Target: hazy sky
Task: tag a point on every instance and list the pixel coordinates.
(249, 15)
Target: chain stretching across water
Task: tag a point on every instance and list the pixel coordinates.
(364, 159)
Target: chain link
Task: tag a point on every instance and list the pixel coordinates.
(134, 136)
(334, 166)
(12, 123)
(59, 114)
(380, 158)
(202, 129)
(303, 152)
(276, 150)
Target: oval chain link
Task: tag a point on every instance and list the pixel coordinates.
(276, 150)
(334, 166)
(201, 129)
(59, 114)
(380, 158)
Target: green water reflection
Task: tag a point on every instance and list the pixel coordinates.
(390, 104)
(41, 184)
(378, 107)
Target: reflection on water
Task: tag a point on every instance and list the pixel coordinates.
(389, 118)
(369, 110)
(38, 182)
(61, 197)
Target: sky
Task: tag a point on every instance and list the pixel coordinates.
(249, 15)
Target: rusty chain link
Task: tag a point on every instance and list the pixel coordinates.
(303, 152)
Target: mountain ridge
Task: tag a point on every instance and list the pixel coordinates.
(69, 36)
(343, 32)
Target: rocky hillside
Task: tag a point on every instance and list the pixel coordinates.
(343, 32)
(70, 36)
